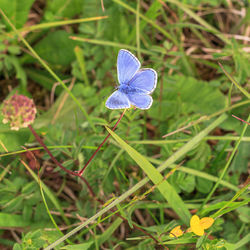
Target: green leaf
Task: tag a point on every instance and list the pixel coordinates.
(86, 246)
(60, 9)
(164, 187)
(16, 10)
(12, 220)
(13, 140)
(188, 184)
(56, 48)
(203, 186)
(244, 214)
(17, 247)
(201, 157)
(241, 159)
(43, 78)
(20, 73)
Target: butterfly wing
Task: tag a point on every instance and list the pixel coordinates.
(127, 66)
(118, 100)
(144, 79)
(141, 101)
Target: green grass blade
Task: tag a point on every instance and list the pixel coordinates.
(113, 44)
(164, 187)
(54, 24)
(243, 91)
(50, 147)
(212, 137)
(80, 59)
(236, 196)
(138, 44)
(49, 193)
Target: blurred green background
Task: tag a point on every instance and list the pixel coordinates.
(79, 41)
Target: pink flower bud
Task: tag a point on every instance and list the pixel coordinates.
(19, 111)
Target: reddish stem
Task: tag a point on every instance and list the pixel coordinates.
(106, 138)
(82, 178)
(241, 119)
(56, 161)
(49, 153)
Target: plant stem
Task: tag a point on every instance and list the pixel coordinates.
(57, 162)
(106, 138)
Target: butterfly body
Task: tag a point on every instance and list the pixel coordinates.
(128, 90)
(135, 84)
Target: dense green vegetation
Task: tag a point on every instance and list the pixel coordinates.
(186, 155)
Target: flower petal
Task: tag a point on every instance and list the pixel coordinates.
(196, 225)
(176, 232)
(206, 222)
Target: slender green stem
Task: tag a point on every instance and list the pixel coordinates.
(49, 147)
(216, 138)
(138, 30)
(53, 24)
(243, 91)
(236, 196)
(80, 59)
(45, 65)
(116, 45)
(49, 194)
(49, 213)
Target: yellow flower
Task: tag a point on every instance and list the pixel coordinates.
(198, 225)
(176, 232)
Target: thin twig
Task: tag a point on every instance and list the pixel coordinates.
(240, 119)
(106, 138)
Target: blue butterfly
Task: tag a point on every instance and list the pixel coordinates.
(136, 84)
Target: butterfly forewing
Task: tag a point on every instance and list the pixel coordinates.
(127, 66)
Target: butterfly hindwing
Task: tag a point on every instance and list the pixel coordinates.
(141, 101)
(118, 100)
(127, 66)
(144, 79)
